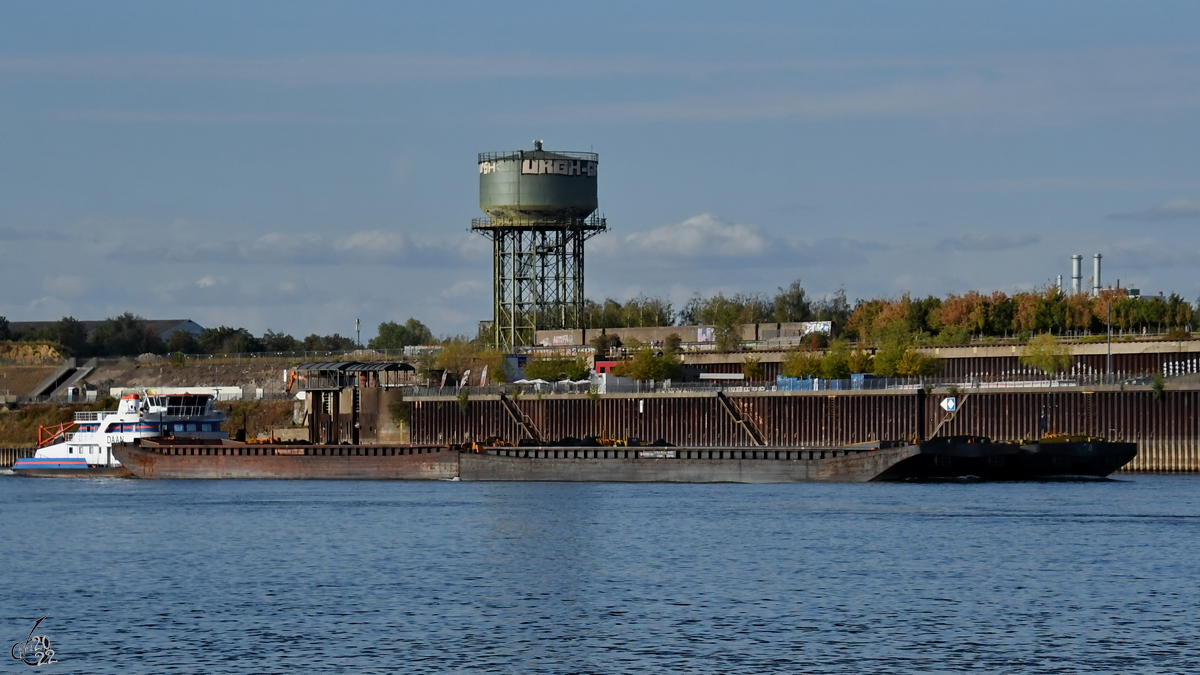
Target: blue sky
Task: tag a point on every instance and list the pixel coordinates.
(296, 165)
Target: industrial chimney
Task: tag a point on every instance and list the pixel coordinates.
(1076, 274)
(1096, 275)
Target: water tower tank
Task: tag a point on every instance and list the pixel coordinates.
(537, 185)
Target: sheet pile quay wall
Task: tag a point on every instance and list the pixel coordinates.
(1166, 426)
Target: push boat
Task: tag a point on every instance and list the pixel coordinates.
(83, 447)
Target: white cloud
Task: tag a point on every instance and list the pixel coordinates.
(374, 243)
(463, 289)
(279, 246)
(702, 236)
(1174, 209)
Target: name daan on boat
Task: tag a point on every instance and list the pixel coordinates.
(83, 448)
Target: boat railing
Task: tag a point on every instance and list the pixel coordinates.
(93, 415)
(182, 411)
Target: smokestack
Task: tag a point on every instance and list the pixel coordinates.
(1060, 286)
(1096, 276)
(1076, 274)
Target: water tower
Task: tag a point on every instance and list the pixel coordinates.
(540, 206)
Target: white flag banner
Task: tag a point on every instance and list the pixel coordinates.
(483, 377)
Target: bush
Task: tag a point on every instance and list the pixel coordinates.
(1047, 354)
(673, 343)
(556, 368)
(801, 363)
(646, 365)
(836, 364)
(605, 343)
(752, 368)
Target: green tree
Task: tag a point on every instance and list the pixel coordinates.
(728, 337)
(394, 335)
(1047, 354)
(673, 343)
(427, 365)
(647, 364)
(801, 362)
(894, 341)
(836, 363)
(752, 369)
(68, 333)
(953, 335)
(861, 361)
(791, 304)
(228, 340)
(328, 343)
(647, 312)
(183, 342)
(832, 308)
(125, 335)
(555, 368)
(604, 343)
(602, 315)
(913, 364)
(457, 354)
(493, 360)
(279, 342)
(5, 333)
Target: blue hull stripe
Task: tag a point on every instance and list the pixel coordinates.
(38, 463)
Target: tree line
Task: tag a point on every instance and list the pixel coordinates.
(131, 335)
(953, 319)
(949, 319)
(788, 305)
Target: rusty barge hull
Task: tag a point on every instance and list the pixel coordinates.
(683, 465)
(228, 460)
(568, 464)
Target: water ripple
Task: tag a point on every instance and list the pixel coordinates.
(286, 577)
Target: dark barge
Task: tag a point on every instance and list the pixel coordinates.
(966, 457)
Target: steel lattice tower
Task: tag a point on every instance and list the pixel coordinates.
(541, 208)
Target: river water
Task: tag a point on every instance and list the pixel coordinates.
(332, 577)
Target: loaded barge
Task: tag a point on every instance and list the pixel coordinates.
(963, 457)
